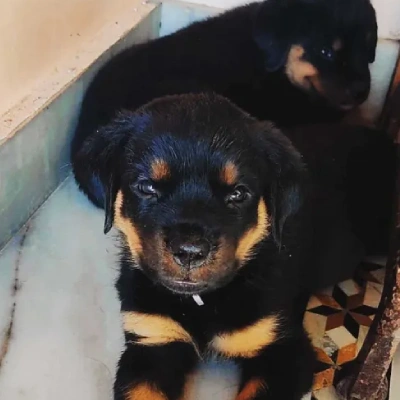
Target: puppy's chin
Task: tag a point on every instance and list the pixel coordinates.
(340, 103)
(185, 287)
(347, 106)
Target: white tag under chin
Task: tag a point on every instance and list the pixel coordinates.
(198, 300)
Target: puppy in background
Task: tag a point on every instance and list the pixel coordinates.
(216, 242)
(288, 61)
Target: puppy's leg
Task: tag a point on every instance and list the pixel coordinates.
(281, 371)
(155, 372)
(159, 358)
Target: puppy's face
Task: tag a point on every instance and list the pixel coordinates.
(192, 212)
(196, 195)
(324, 46)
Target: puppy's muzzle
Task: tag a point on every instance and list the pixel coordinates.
(360, 90)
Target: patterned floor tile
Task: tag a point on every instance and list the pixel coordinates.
(328, 393)
(338, 319)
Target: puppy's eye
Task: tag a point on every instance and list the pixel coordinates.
(327, 53)
(239, 195)
(146, 189)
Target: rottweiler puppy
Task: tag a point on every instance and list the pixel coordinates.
(212, 208)
(288, 61)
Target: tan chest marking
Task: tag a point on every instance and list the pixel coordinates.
(247, 342)
(154, 329)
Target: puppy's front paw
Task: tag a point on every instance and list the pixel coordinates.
(142, 391)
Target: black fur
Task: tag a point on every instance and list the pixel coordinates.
(356, 166)
(196, 135)
(242, 54)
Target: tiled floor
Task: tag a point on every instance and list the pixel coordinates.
(338, 320)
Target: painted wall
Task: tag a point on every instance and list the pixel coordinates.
(388, 13)
(221, 3)
(34, 159)
(36, 36)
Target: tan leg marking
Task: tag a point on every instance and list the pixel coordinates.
(188, 388)
(251, 389)
(144, 391)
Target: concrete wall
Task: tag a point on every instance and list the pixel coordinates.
(34, 157)
(388, 14)
(43, 39)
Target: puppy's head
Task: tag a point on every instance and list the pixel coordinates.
(323, 46)
(195, 186)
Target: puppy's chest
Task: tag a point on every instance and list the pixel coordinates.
(208, 328)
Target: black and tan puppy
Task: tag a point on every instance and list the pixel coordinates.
(210, 203)
(288, 61)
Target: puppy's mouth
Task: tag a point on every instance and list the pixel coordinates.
(346, 106)
(340, 104)
(185, 287)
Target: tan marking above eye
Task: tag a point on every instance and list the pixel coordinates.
(254, 235)
(297, 69)
(155, 330)
(144, 391)
(229, 173)
(251, 389)
(247, 342)
(159, 169)
(127, 227)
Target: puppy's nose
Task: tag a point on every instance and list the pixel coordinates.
(191, 255)
(360, 90)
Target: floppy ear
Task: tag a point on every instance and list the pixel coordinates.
(372, 45)
(286, 177)
(97, 164)
(271, 35)
(372, 33)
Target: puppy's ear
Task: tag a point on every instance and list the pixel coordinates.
(373, 40)
(98, 163)
(286, 176)
(372, 36)
(271, 35)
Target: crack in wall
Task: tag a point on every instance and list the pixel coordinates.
(14, 292)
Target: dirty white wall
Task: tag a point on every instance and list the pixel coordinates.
(388, 13)
(36, 35)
